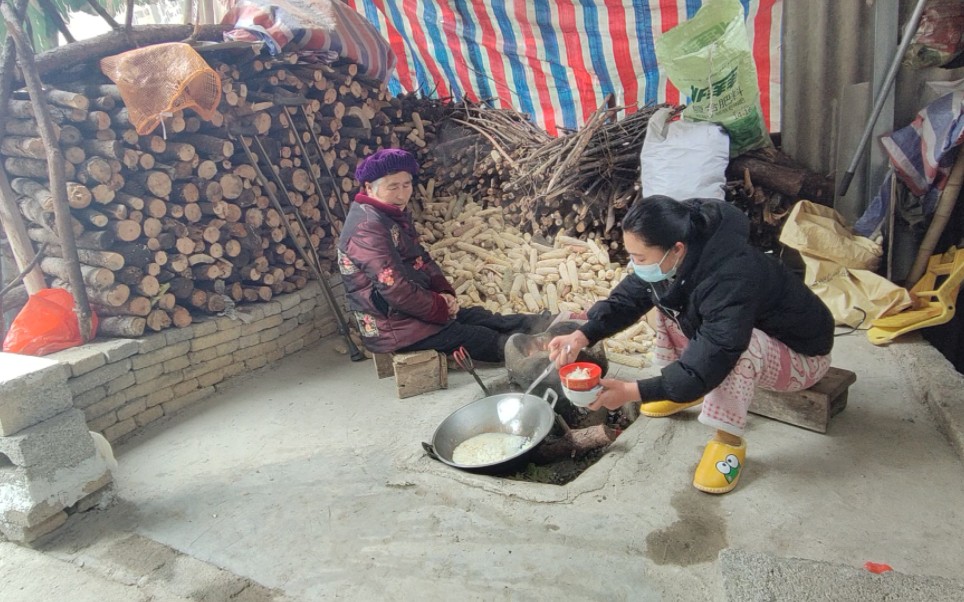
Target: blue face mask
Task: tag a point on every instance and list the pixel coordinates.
(650, 272)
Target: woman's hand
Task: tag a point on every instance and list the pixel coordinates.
(453, 304)
(564, 349)
(615, 394)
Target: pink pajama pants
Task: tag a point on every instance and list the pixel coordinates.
(767, 363)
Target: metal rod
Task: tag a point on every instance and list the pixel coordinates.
(315, 260)
(882, 97)
(481, 384)
(353, 351)
(355, 354)
(321, 159)
(304, 151)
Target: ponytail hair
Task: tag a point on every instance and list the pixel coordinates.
(662, 221)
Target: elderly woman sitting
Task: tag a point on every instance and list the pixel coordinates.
(397, 292)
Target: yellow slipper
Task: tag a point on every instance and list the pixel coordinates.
(658, 409)
(720, 469)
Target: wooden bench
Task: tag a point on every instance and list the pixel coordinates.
(415, 373)
(811, 408)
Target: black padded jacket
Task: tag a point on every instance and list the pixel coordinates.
(722, 291)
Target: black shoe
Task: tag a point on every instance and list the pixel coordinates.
(539, 323)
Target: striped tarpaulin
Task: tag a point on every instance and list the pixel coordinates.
(554, 59)
(289, 25)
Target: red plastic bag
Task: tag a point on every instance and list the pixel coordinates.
(47, 323)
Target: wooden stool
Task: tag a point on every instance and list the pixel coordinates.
(415, 373)
(383, 365)
(811, 408)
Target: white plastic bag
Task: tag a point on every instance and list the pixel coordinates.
(684, 159)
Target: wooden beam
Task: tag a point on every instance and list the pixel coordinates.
(93, 49)
(58, 21)
(19, 278)
(16, 231)
(10, 216)
(55, 163)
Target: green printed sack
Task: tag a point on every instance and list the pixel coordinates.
(709, 59)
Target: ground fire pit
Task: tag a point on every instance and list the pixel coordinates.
(571, 449)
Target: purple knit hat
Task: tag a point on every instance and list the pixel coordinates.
(384, 162)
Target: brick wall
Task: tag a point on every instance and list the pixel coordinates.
(122, 385)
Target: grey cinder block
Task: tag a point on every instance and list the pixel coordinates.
(59, 441)
(32, 389)
(54, 464)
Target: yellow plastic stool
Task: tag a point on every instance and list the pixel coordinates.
(936, 305)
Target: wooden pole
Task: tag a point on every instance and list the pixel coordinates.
(17, 235)
(83, 51)
(10, 216)
(891, 223)
(103, 14)
(55, 165)
(17, 280)
(945, 206)
(55, 17)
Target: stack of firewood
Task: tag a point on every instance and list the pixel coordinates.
(765, 184)
(180, 220)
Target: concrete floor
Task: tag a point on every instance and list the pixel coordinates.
(306, 481)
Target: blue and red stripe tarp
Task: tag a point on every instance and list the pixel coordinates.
(554, 59)
(332, 27)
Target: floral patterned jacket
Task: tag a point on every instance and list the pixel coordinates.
(392, 284)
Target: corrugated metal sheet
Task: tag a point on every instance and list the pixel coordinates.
(828, 63)
(827, 46)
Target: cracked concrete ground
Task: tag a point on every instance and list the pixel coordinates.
(306, 481)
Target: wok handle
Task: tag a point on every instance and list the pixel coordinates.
(430, 450)
(555, 397)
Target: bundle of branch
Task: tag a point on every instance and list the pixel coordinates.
(494, 265)
(481, 149)
(179, 221)
(575, 185)
(581, 184)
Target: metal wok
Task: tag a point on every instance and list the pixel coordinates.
(511, 413)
